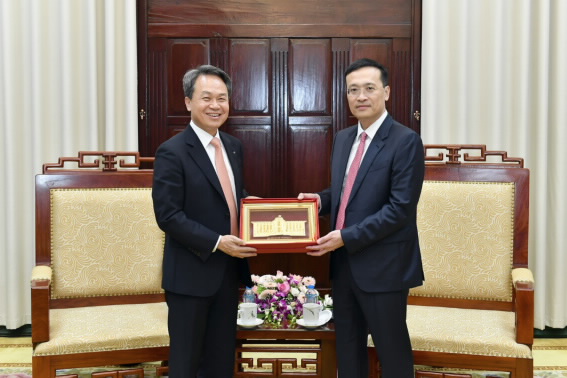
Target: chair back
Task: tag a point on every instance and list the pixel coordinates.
(473, 224)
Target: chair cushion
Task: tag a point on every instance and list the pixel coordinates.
(463, 331)
(104, 242)
(105, 328)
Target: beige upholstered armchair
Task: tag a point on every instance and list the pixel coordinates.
(96, 288)
(475, 309)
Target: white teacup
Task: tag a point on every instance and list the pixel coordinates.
(247, 313)
(311, 313)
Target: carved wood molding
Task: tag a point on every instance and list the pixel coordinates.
(108, 163)
(341, 58)
(279, 366)
(455, 154)
(280, 110)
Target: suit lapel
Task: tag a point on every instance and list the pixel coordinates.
(199, 155)
(376, 145)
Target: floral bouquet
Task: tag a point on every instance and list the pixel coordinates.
(280, 298)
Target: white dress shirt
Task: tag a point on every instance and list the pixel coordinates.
(205, 139)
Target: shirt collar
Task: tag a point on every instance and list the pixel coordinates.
(372, 129)
(203, 136)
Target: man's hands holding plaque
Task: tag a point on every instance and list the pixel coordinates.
(328, 243)
(235, 247)
(279, 225)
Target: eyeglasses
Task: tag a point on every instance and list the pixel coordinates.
(355, 91)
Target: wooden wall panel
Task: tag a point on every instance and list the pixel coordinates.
(381, 51)
(395, 55)
(249, 69)
(401, 81)
(157, 86)
(287, 61)
(280, 106)
(290, 18)
(309, 151)
(256, 140)
(310, 76)
(340, 60)
(378, 49)
(183, 54)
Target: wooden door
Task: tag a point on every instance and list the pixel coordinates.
(287, 61)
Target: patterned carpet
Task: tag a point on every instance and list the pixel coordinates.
(550, 360)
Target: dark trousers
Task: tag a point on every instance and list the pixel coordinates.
(202, 332)
(383, 314)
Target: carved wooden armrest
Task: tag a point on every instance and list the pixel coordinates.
(523, 281)
(40, 294)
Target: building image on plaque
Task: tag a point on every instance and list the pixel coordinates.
(278, 227)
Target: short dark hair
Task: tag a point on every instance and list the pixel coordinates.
(190, 78)
(366, 62)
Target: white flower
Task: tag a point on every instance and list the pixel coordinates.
(280, 276)
(265, 294)
(294, 291)
(266, 279)
(308, 280)
(328, 301)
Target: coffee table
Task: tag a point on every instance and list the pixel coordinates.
(283, 349)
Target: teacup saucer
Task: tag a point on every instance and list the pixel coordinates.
(324, 317)
(256, 323)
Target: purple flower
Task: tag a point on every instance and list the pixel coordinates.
(280, 298)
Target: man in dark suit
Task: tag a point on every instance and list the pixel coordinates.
(197, 184)
(377, 170)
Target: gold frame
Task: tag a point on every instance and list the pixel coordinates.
(287, 240)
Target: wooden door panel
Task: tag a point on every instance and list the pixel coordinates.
(309, 151)
(401, 82)
(378, 49)
(157, 89)
(183, 54)
(249, 68)
(310, 76)
(257, 141)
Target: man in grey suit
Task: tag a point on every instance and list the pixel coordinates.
(377, 170)
(197, 184)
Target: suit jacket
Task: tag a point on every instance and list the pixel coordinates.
(191, 209)
(380, 234)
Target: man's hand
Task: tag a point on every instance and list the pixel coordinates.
(235, 247)
(311, 195)
(333, 240)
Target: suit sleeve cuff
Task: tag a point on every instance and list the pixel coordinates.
(217, 245)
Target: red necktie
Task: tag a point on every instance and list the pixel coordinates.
(224, 179)
(350, 182)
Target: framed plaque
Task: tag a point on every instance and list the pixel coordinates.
(279, 225)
